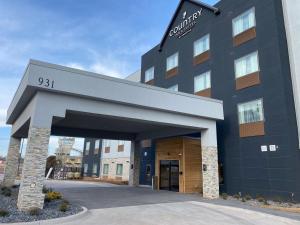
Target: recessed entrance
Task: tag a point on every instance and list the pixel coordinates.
(169, 175)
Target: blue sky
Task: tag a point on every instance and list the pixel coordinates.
(107, 37)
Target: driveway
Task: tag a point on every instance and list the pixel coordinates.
(122, 205)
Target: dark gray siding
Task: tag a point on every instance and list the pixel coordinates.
(91, 158)
(246, 168)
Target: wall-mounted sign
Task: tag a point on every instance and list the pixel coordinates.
(187, 24)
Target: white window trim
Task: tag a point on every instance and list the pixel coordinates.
(241, 15)
(202, 74)
(176, 53)
(199, 40)
(263, 112)
(258, 64)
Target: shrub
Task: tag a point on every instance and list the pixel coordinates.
(3, 213)
(46, 190)
(34, 211)
(52, 195)
(248, 197)
(237, 196)
(244, 199)
(63, 207)
(260, 198)
(224, 196)
(66, 202)
(277, 199)
(6, 191)
(266, 202)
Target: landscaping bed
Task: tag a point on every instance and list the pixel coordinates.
(259, 201)
(55, 206)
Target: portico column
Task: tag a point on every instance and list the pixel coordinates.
(33, 175)
(210, 162)
(12, 159)
(134, 173)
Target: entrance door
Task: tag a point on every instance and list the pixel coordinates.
(169, 175)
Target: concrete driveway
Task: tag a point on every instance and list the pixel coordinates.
(121, 205)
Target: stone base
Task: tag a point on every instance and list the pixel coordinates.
(134, 173)
(11, 168)
(211, 175)
(33, 175)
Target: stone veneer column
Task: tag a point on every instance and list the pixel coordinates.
(33, 175)
(134, 173)
(210, 163)
(12, 160)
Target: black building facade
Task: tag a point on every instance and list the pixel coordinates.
(258, 139)
(91, 157)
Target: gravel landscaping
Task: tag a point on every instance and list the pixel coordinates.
(53, 208)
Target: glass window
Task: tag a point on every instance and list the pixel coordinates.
(97, 147)
(105, 168)
(251, 112)
(87, 147)
(202, 82)
(172, 61)
(244, 22)
(119, 169)
(246, 65)
(95, 167)
(174, 87)
(85, 168)
(149, 74)
(201, 45)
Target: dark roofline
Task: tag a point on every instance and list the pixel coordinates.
(215, 10)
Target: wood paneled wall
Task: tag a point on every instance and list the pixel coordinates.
(188, 152)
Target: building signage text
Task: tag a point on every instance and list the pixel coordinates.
(186, 25)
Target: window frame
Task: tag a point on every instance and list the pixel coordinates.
(202, 74)
(152, 78)
(240, 16)
(243, 57)
(119, 174)
(199, 40)
(104, 169)
(173, 55)
(262, 110)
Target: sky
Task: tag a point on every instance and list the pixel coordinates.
(106, 37)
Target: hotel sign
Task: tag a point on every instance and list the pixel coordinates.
(186, 25)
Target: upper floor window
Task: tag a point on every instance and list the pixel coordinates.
(149, 74)
(246, 65)
(106, 146)
(174, 87)
(201, 45)
(202, 82)
(251, 112)
(97, 146)
(172, 61)
(244, 22)
(87, 147)
(121, 146)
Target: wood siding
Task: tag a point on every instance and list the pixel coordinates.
(247, 81)
(201, 58)
(244, 37)
(150, 82)
(204, 93)
(188, 152)
(171, 73)
(252, 129)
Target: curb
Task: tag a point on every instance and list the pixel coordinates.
(59, 220)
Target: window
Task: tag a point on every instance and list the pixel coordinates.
(246, 65)
(244, 22)
(172, 61)
(95, 167)
(97, 146)
(105, 168)
(87, 147)
(121, 145)
(149, 74)
(106, 146)
(251, 112)
(201, 45)
(202, 82)
(174, 87)
(85, 168)
(119, 169)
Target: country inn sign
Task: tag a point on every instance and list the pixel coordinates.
(208, 104)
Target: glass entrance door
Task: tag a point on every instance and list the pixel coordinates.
(169, 175)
